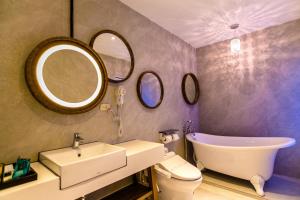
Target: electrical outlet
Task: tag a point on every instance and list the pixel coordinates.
(104, 107)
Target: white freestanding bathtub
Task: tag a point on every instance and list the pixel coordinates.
(250, 158)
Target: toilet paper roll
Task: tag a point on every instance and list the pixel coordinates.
(175, 137)
(166, 139)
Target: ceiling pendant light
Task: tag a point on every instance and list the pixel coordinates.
(235, 43)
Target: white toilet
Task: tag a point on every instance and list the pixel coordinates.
(177, 179)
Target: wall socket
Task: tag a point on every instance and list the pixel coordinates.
(104, 107)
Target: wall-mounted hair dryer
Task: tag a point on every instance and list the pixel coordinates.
(117, 114)
(120, 93)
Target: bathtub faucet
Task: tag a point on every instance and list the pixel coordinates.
(187, 127)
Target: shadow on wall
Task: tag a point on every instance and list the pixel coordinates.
(254, 93)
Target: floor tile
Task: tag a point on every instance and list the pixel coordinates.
(217, 186)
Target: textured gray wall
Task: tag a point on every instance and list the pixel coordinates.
(27, 127)
(256, 93)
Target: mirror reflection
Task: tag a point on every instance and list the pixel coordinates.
(64, 82)
(190, 89)
(116, 54)
(150, 89)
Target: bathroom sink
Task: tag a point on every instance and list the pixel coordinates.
(89, 160)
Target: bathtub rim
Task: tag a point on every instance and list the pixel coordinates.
(289, 143)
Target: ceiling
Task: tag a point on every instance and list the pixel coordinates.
(204, 22)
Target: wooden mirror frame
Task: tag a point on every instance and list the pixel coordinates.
(197, 90)
(126, 44)
(36, 90)
(138, 89)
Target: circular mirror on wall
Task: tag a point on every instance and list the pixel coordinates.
(116, 54)
(66, 75)
(190, 88)
(150, 89)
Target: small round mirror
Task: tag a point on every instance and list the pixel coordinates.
(115, 53)
(150, 89)
(190, 88)
(66, 75)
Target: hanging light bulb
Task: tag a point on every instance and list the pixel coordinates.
(235, 43)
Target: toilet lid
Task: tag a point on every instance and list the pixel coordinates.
(181, 169)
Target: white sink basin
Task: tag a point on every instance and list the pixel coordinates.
(89, 160)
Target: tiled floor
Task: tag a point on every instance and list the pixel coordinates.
(221, 187)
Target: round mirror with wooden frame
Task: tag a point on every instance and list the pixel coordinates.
(116, 54)
(190, 88)
(66, 75)
(150, 89)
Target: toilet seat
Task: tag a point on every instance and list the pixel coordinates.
(176, 178)
(180, 169)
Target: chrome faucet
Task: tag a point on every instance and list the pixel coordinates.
(76, 141)
(187, 127)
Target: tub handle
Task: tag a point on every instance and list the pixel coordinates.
(162, 172)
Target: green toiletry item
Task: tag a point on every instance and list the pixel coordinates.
(21, 168)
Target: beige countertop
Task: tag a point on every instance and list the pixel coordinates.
(140, 155)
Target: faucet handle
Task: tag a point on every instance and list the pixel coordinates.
(77, 137)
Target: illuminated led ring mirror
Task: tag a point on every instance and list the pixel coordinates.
(190, 88)
(150, 89)
(66, 75)
(116, 54)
